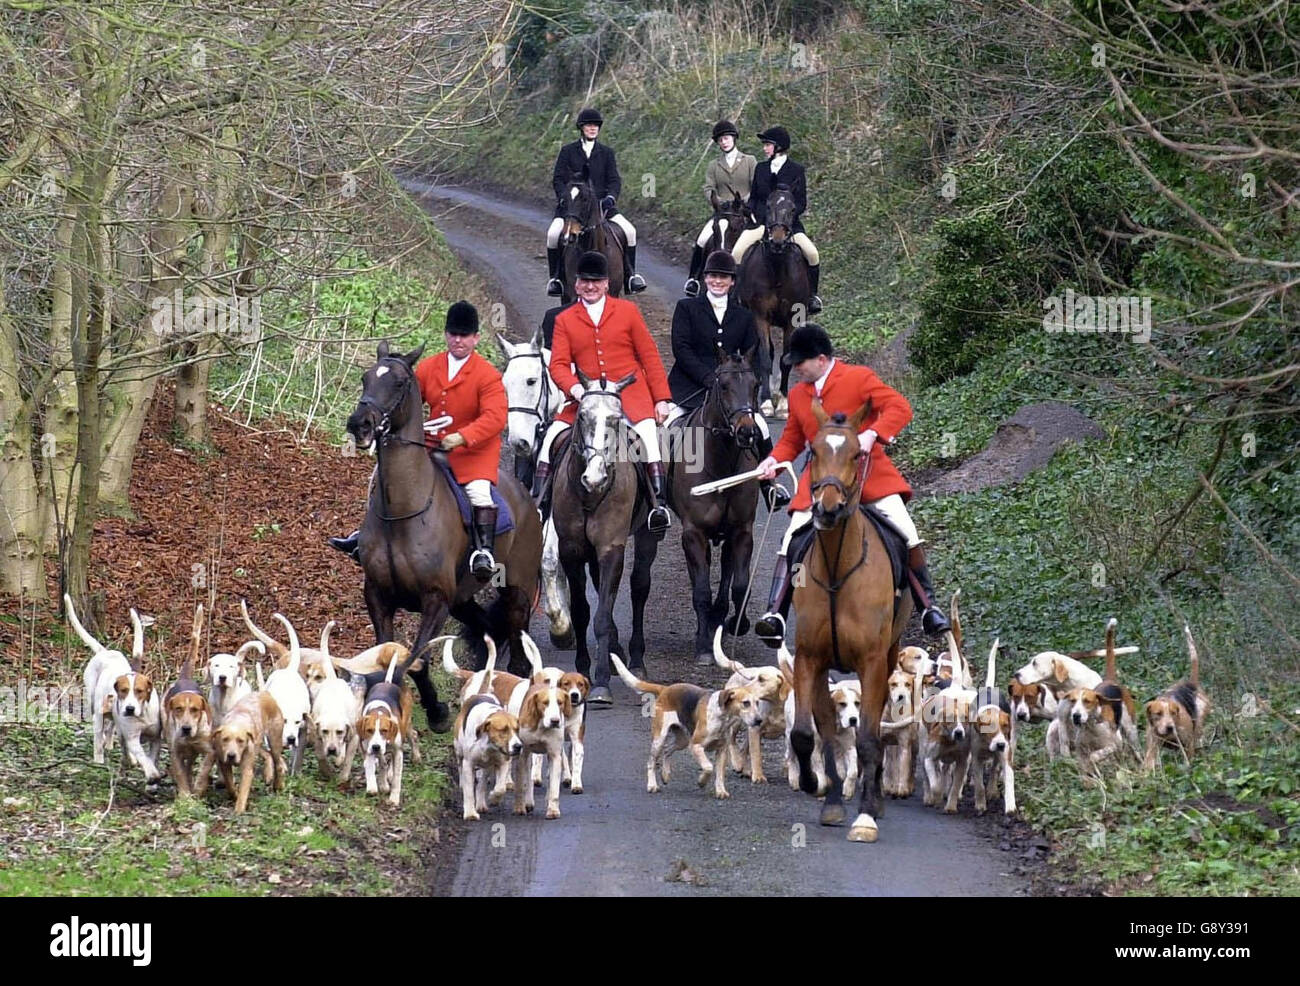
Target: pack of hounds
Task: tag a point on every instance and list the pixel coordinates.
(513, 734)
(339, 706)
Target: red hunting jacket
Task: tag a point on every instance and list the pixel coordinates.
(619, 345)
(846, 389)
(476, 401)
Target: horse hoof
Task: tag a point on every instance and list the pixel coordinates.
(704, 658)
(863, 829)
(440, 721)
(564, 641)
(601, 697)
(833, 815)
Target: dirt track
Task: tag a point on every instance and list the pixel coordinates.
(616, 839)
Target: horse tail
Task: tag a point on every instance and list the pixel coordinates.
(632, 681)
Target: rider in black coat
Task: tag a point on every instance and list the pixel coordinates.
(697, 333)
(602, 171)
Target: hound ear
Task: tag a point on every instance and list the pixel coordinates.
(724, 697)
(382, 350)
(413, 357)
(860, 415)
(107, 705)
(1060, 670)
(584, 380)
(819, 412)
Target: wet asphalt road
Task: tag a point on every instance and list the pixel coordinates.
(616, 839)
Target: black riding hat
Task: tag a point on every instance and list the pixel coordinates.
(593, 266)
(777, 136)
(720, 262)
(590, 115)
(807, 342)
(724, 127)
(462, 319)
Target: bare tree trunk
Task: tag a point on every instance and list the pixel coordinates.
(21, 571)
(191, 416)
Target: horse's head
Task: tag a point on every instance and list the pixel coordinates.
(733, 208)
(529, 392)
(781, 215)
(581, 208)
(735, 395)
(389, 396)
(837, 464)
(600, 418)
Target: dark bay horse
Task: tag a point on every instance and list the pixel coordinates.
(720, 436)
(845, 617)
(586, 228)
(772, 282)
(597, 504)
(736, 213)
(413, 544)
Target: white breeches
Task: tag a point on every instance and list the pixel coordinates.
(891, 506)
(751, 236)
(647, 431)
(479, 492)
(557, 227)
(706, 233)
(677, 411)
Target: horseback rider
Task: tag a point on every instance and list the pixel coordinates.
(777, 171)
(463, 385)
(845, 388)
(598, 160)
(700, 327)
(730, 174)
(606, 337)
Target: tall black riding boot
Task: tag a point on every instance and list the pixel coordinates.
(814, 277)
(634, 281)
(692, 288)
(933, 622)
(553, 286)
(659, 518)
(770, 627)
(481, 562)
(350, 545)
(541, 476)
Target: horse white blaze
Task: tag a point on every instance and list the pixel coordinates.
(835, 441)
(381, 371)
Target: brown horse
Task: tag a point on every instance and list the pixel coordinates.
(846, 616)
(773, 283)
(586, 228)
(598, 503)
(413, 543)
(721, 436)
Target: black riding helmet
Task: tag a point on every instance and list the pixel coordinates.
(777, 136)
(720, 262)
(590, 115)
(724, 127)
(807, 342)
(593, 266)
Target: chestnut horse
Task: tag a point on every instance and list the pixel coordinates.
(847, 616)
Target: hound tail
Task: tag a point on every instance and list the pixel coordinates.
(956, 620)
(94, 645)
(1196, 659)
(448, 662)
(990, 680)
(1110, 650)
(248, 645)
(486, 684)
(272, 645)
(325, 649)
(721, 659)
(954, 656)
(531, 652)
(196, 640)
(632, 681)
(261, 682)
(295, 652)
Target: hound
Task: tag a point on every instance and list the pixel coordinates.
(308, 662)
(1101, 720)
(687, 715)
(575, 724)
(944, 738)
(487, 741)
(334, 713)
(777, 686)
(385, 720)
(124, 703)
(291, 695)
(253, 726)
(902, 699)
(992, 741)
(226, 681)
(543, 712)
(1177, 717)
(187, 716)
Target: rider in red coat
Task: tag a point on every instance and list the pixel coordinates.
(606, 337)
(844, 388)
(463, 385)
